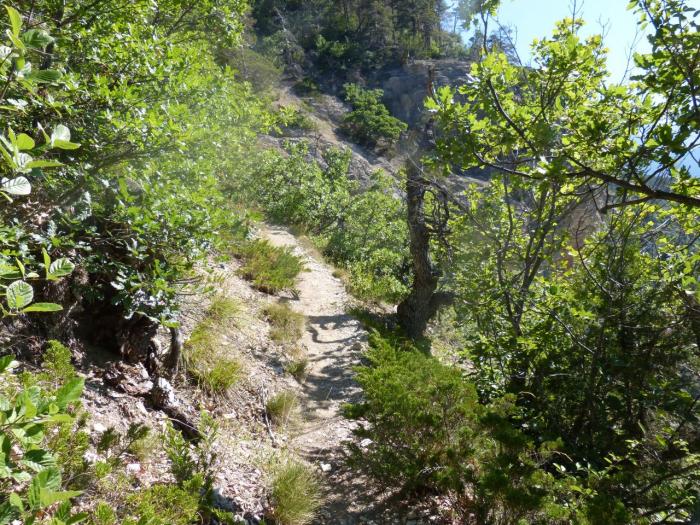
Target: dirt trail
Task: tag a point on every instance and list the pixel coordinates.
(334, 342)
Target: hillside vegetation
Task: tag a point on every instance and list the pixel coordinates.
(216, 308)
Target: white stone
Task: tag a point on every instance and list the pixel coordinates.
(99, 428)
(326, 467)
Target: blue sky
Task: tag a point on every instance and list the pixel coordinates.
(536, 18)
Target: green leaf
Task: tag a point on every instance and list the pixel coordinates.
(60, 138)
(7, 513)
(25, 142)
(42, 307)
(44, 164)
(19, 294)
(70, 392)
(15, 20)
(37, 38)
(17, 186)
(44, 76)
(16, 502)
(60, 268)
(7, 362)
(38, 460)
(46, 481)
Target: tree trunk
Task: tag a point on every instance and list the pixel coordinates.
(423, 301)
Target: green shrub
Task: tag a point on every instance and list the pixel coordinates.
(286, 324)
(56, 364)
(104, 514)
(282, 408)
(165, 504)
(370, 122)
(30, 477)
(428, 432)
(271, 269)
(295, 494)
(293, 118)
(306, 87)
(363, 231)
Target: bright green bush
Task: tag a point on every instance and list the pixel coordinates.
(360, 230)
(271, 269)
(370, 122)
(164, 504)
(428, 431)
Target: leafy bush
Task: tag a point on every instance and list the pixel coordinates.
(271, 269)
(295, 494)
(370, 122)
(30, 478)
(164, 504)
(286, 324)
(282, 408)
(362, 231)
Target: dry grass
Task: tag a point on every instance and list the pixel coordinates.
(297, 364)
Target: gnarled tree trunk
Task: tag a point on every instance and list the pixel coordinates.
(422, 303)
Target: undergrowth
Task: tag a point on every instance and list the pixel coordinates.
(297, 363)
(282, 408)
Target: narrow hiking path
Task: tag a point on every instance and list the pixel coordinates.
(334, 342)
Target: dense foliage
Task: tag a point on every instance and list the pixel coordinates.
(135, 86)
(360, 229)
(370, 122)
(365, 34)
(569, 390)
(584, 323)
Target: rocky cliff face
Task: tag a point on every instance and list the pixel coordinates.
(406, 87)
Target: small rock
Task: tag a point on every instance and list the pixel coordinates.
(142, 371)
(326, 467)
(141, 408)
(366, 443)
(133, 468)
(99, 428)
(163, 393)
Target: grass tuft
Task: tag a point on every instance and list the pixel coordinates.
(282, 408)
(295, 494)
(298, 364)
(286, 325)
(271, 269)
(205, 361)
